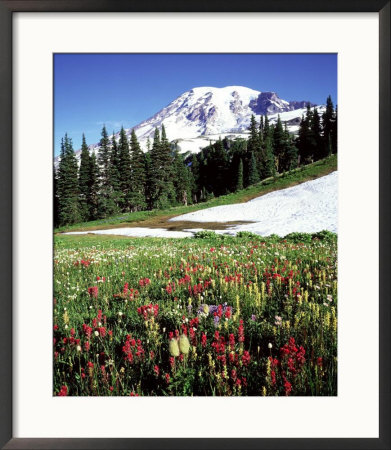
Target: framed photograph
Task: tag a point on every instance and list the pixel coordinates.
(195, 215)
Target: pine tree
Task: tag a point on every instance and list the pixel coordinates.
(68, 186)
(306, 140)
(182, 180)
(279, 144)
(195, 170)
(114, 174)
(253, 176)
(125, 173)
(106, 203)
(253, 143)
(155, 171)
(220, 169)
(291, 153)
(84, 179)
(138, 175)
(266, 129)
(104, 158)
(239, 183)
(162, 187)
(268, 162)
(93, 188)
(319, 151)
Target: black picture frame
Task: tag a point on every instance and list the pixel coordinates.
(7, 8)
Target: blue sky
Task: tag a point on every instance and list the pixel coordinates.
(124, 89)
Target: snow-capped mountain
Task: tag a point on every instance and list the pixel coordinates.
(209, 111)
(204, 114)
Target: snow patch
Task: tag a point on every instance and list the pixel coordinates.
(308, 207)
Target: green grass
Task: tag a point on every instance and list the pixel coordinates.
(160, 217)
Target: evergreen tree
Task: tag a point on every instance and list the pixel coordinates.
(291, 153)
(328, 117)
(93, 188)
(163, 191)
(279, 144)
(104, 158)
(306, 140)
(114, 174)
(268, 162)
(266, 129)
(220, 169)
(253, 143)
(84, 180)
(125, 180)
(155, 171)
(138, 175)
(319, 151)
(261, 127)
(148, 178)
(68, 186)
(182, 180)
(106, 203)
(253, 176)
(195, 169)
(239, 183)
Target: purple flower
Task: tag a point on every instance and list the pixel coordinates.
(254, 317)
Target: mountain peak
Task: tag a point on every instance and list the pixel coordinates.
(204, 113)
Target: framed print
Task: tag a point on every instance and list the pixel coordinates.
(195, 214)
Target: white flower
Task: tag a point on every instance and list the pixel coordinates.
(96, 333)
(164, 329)
(66, 327)
(120, 313)
(78, 348)
(270, 345)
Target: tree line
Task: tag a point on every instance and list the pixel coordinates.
(122, 178)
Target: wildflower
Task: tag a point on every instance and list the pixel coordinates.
(270, 345)
(63, 391)
(93, 291)
(246, 358)
(184, 344)
(278, 321)
(173, 347)
(288, 387)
